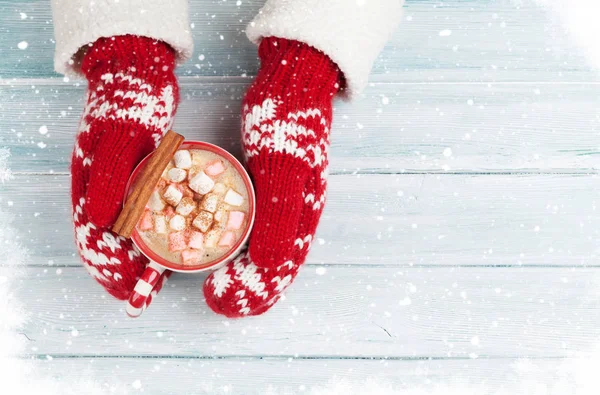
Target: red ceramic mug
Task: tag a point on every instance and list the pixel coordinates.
(158, 264)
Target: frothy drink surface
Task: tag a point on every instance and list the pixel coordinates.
(198, 211)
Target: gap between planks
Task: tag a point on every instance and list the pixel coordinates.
(375, 266)
(373, 80)
(283, 357)
(574, 172)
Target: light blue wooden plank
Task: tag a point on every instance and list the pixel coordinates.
(394, 128)
(281, 376)
(346, 312)
(490, 40)
(390, 219)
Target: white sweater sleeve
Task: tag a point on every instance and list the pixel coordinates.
(81, 22)
(351, 32)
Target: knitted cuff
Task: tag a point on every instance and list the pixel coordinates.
(142, 57)
(300, 72)
(77, 23)
(351, 33)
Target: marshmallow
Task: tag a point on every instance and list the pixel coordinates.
(176, 174)
(196, 240)
(197, 156)
(202, 183)
(183, 159)
(210, 202)
(160, 224)
(220, 215)
(185, 206)
(173, 195)
(177, 222)
(177, 241)
(155, 203)
(203, 221)
(214, 168)
(227, 239)
(220, 188)
(191, 257)
(236, 219)
(233, 198)
(212, 238)
(146, 221)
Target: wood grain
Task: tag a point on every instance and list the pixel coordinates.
(491, 40)
(390, 219)
(345, 312)
(420, 128)
(415, 279)
(289, 376)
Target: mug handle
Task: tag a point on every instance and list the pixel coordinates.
(138, 298)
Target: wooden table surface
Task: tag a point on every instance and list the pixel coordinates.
(461, 232)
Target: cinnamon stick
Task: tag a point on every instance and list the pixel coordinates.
(145, 183)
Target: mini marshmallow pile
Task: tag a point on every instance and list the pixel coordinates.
(193, 209)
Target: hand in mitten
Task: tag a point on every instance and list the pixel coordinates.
(131, 100)
(287, 114)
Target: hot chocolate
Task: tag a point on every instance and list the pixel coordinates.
(198, 211)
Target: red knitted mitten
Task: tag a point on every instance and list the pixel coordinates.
(131, 100)
(286, 118)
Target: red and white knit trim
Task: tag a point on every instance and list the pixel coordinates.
(264, 129)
